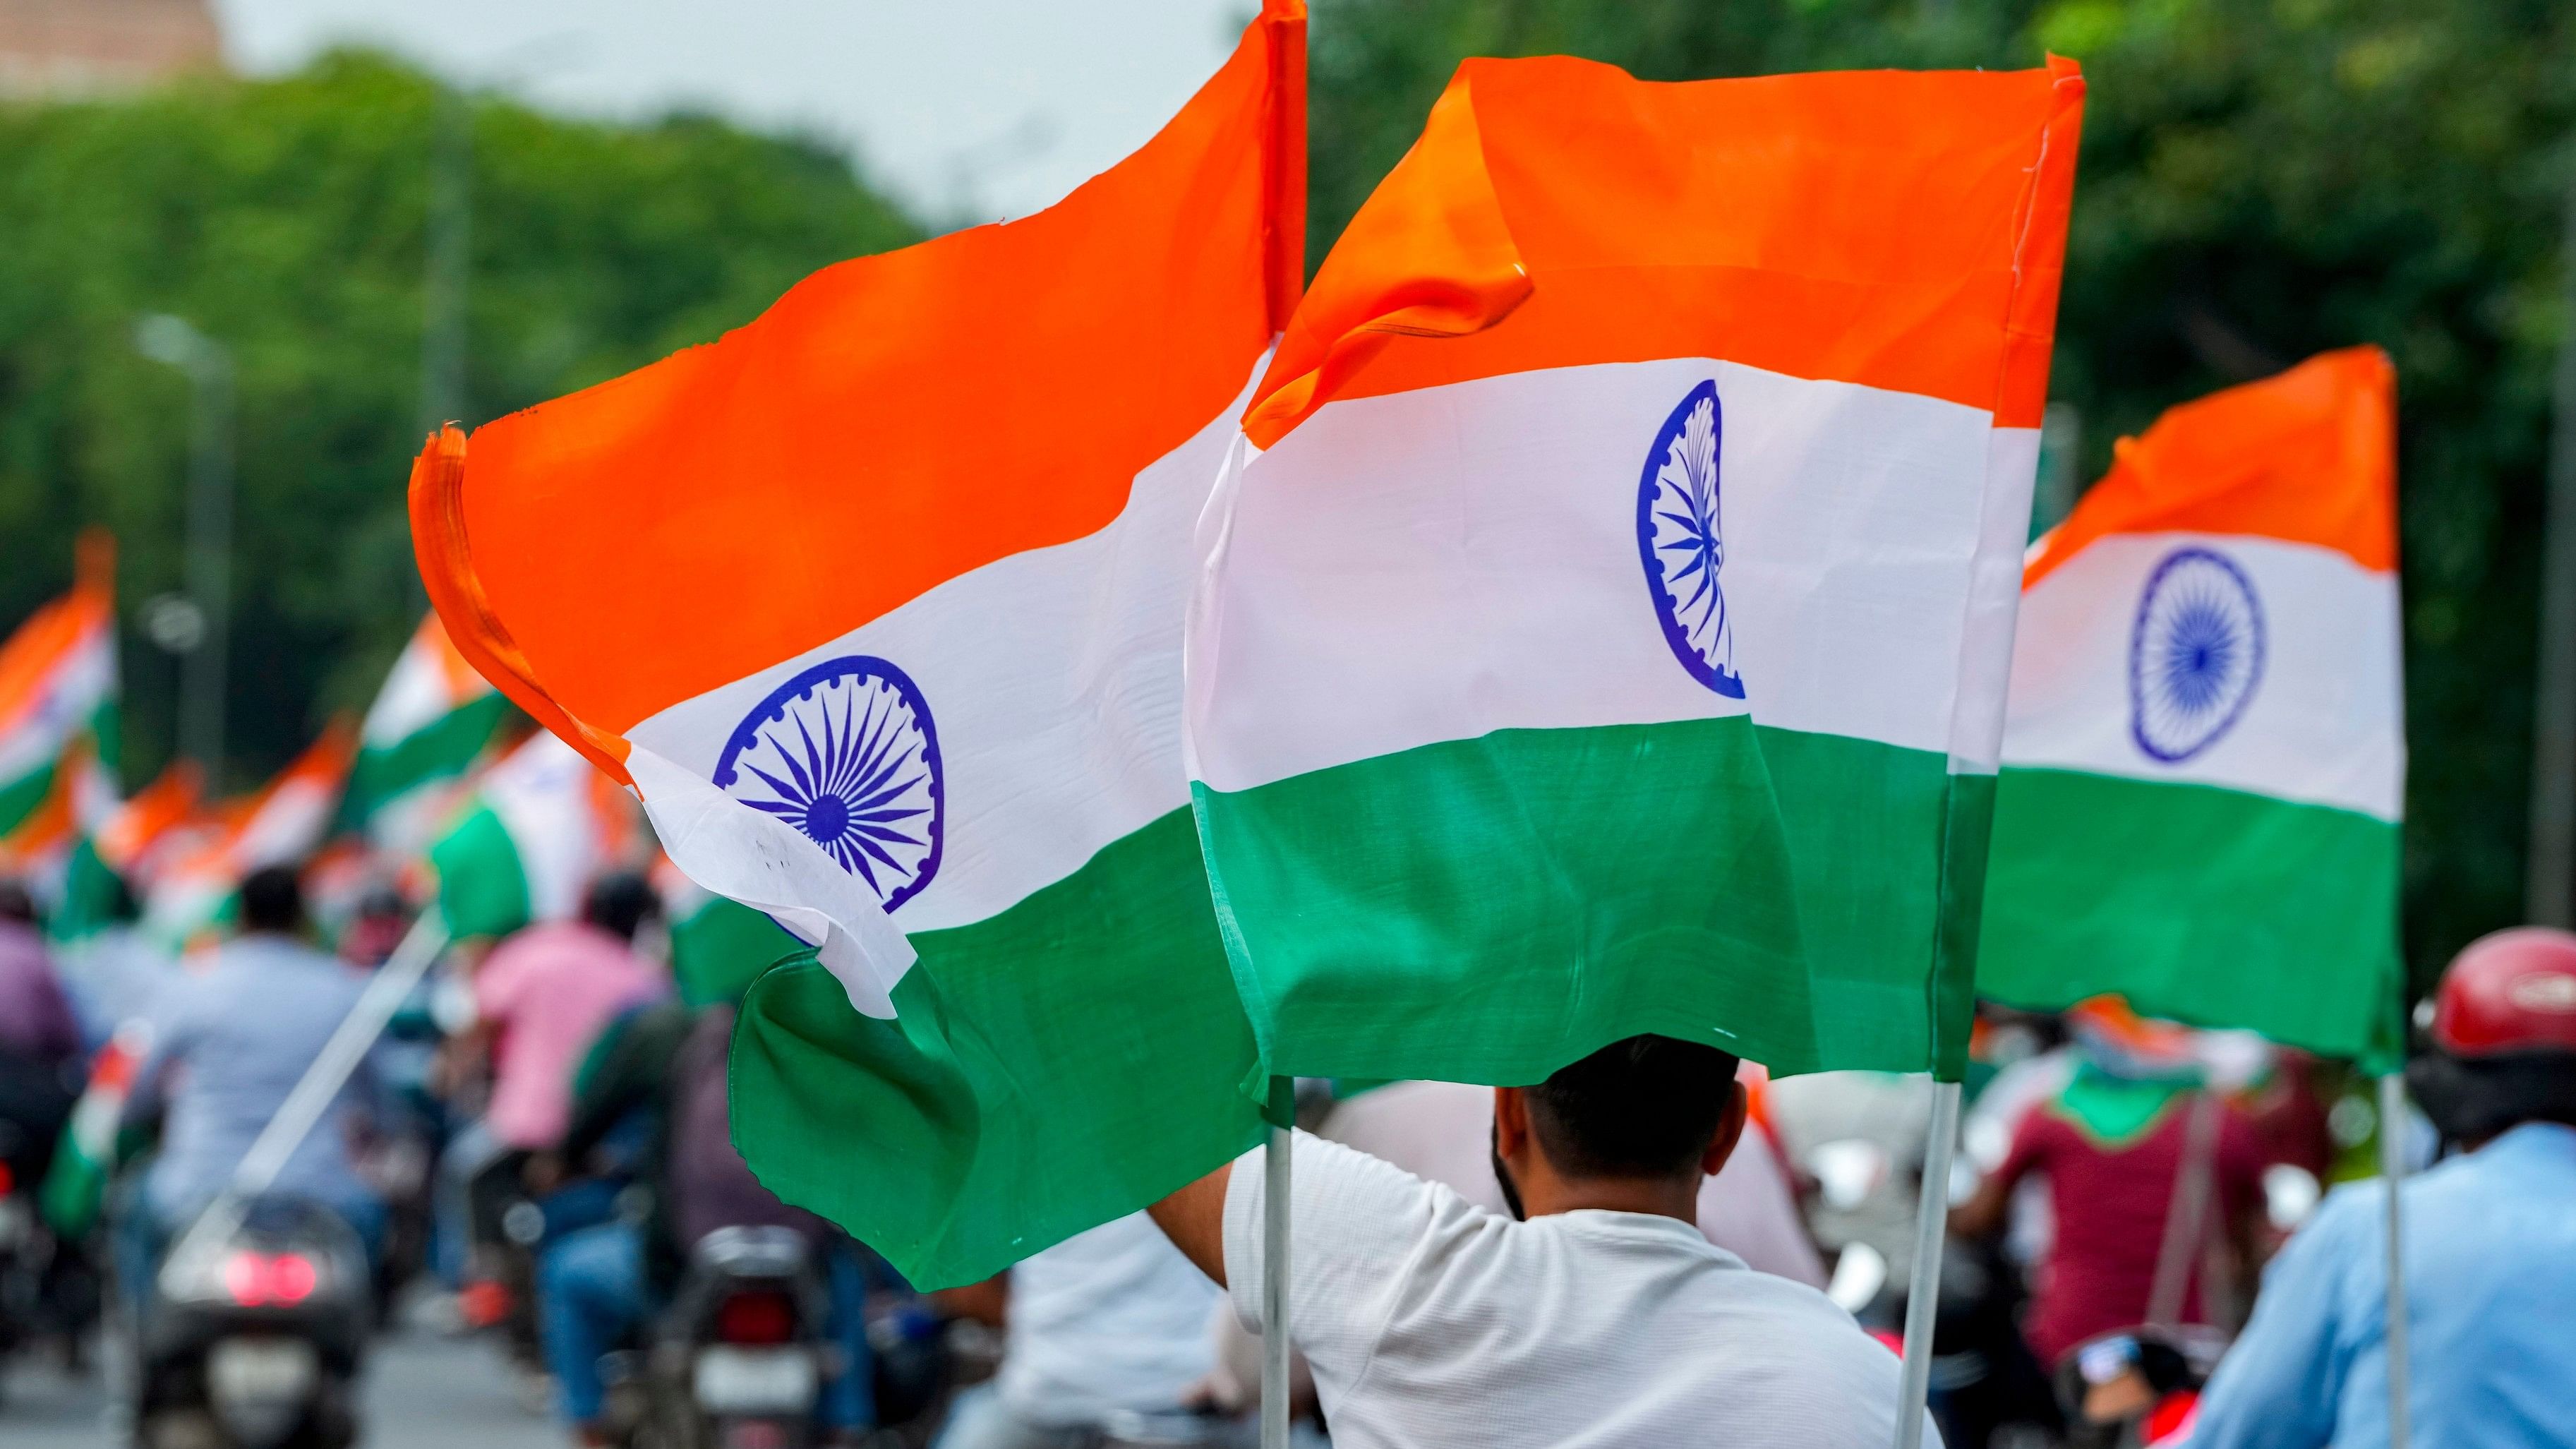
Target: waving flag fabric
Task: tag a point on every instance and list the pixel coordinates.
(540, 826)
(111, 861)
(281, 825)
(2205, 760)
(429, 724)
(138, 826)
(878, 603)
(58, 688)
(1606, 613)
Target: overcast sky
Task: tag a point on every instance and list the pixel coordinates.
(966, 109)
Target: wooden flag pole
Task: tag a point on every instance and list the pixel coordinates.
(1923, 1292)
(1274, 1266)
(2392, 1166)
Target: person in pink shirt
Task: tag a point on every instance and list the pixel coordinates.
(544, 994)
(541, 999)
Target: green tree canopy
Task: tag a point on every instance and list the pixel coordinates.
(2261, 180)
(288, 220)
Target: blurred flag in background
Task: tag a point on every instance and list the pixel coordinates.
(2205, 758)
(430, 723)
(58, 735)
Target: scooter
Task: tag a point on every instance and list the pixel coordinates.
(253, 1331)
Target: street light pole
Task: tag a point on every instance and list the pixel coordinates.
(2550, 889)
(446, 280)
(209, 366)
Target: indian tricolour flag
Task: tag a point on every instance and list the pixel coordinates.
(113, 863)
(878, 602)
(430, 723)
(58, 715)
(1606, 613)
(538, 828)
(281, 825)
(2205, 758)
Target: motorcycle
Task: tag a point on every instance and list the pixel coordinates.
(252, 1332)
(740, 1358)
(2138, 1387)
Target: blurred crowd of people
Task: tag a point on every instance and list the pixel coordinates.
(538, 1146)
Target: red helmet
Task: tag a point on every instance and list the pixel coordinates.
(2512, 991)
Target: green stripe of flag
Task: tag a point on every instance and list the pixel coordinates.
(482, 887)
(1025, 1090)
(19, 798)
(1486, 910)
(437, 751)
(2198, 903)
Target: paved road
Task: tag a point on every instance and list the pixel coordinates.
(423, 1391)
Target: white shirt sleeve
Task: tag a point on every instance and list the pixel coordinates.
(1357, 1230)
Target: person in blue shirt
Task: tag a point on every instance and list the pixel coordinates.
(2489, 1246)
(231, 1042)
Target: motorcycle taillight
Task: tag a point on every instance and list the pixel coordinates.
(762, 1316)
(270, 1280)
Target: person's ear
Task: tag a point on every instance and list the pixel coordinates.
(1511, 1122)
(1730, 1130)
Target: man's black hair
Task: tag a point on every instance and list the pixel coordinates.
(272, 900)
(618, 903)
(16, 904)
(1645, 1107)
(2472, 1099)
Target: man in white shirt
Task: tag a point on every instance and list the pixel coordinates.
(1105, 1330)
(1597, 1315)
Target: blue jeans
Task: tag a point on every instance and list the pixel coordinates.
(590, 1293)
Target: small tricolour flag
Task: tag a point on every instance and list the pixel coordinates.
(1605, 616)
(58, 689)
(281, 825)
(430, 723)
(2205, 755)
(537, 829)
(878, 603)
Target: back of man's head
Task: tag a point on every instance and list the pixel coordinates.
(272, 901)
(619, 902)
(1646, 1107)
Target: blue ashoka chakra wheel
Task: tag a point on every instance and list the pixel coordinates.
(2195, 653)
(1679, 542)
(846, 752)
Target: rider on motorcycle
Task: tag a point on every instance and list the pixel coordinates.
(2489, 1244)
(232, 1042)
(665, 1064)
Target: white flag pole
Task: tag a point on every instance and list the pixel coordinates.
(2392, 1166)
(1923, 1292)
(1274, 1270)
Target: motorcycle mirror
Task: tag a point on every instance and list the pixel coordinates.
(2290, 1195)
(1859, 1273)
(1847, 1170)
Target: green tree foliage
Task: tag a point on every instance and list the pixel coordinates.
(288, 220)
(2261, 180)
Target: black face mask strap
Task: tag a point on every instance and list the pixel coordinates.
(1503, 1175)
